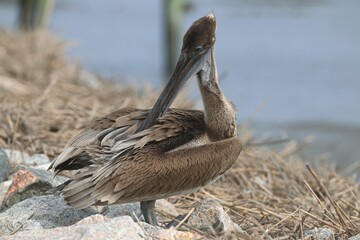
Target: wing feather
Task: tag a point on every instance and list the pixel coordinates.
(106, 152)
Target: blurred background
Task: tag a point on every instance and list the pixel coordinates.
(291, 67)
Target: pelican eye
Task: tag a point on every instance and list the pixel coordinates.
(199, 48)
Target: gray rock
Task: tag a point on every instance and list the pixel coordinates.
(15, 157)
(44, 166)
(210, 217)
(36, 159)
(28, 182)
(116, 210)
(320, 233)
(357, 237)
(133, 209)
(94, 227)
(5, 169)
(40, 212)
(31, 225)
(164, 206)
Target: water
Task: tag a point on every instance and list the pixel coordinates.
(290, 65)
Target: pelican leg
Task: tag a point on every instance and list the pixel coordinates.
(147, 210)
(175, 222)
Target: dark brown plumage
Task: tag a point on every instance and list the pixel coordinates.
(201, 35)
(143, 155)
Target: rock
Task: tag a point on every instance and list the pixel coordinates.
(133, 209)
(320, 233)
(153, 232)
(116, 210)
(210, 217)
(164, 206)
(40, 212)
(44, 166)
(94, 227)
(357, 237)
(97, 218)
(28, 182)
(4, 186)
(5, 169)
(30, 225)
(15, 157)
(36, 159)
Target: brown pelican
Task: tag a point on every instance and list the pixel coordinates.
(143, 155)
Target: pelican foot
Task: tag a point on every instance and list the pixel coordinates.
(175, 222)
(147, 210)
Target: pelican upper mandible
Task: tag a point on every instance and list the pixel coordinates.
(143, 155)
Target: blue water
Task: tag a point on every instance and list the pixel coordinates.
(287, 64)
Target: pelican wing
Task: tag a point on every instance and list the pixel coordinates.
(110, 147)
(85, 149)
(106, 139)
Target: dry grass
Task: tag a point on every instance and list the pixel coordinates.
(45, 99)
(271, 194)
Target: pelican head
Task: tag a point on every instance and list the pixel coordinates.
(195, 58)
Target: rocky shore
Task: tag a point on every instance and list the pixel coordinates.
(29, 212)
